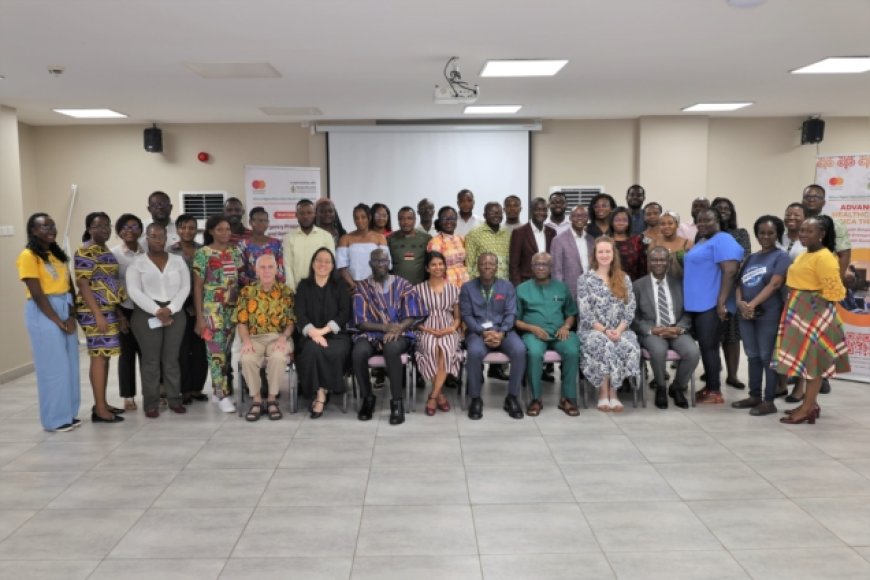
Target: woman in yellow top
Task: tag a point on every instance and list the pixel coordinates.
(51, 323)
(811, 343)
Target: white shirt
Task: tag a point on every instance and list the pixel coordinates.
(540, 237)
(796, 249)
(566, 223)
(667, 291)
(463, 227)
(688, 230)
(147, 285)
(125, 257)
(431, 231)
(582, 249)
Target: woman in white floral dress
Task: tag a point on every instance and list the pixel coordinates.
(610, 352)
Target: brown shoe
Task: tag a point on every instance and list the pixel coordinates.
(765, 408)
(534, 408)
(180, 409)
(709, 398)
(747, 403)
(152, 413)
(568, 406)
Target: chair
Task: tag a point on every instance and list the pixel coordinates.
(492, 357)
(242, 391)
(379, 362)
(672, 356)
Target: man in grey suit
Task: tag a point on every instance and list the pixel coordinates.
(661, 324)
(568, 259)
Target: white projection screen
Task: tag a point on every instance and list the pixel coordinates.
(400, 167)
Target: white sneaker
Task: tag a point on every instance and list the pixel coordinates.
(215, 398)
(226, 405)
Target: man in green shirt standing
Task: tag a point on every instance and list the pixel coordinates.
(489, 237)
(545, 313)
(408, 248)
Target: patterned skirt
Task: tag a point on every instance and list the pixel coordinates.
(101, 344)
(810, 342)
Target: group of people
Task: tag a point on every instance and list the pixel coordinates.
(598, 285)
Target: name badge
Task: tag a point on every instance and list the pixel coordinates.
(486, 325)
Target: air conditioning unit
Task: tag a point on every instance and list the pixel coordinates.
(202, 204)
(577, 194)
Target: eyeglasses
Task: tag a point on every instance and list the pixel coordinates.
(380, 261)
(814, 197)
(541, 265)
(47, 227)
(131, 228)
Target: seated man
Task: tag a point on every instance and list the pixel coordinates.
(385, 308)
(661, 324)
(489, 306)
(546, 312)
(265, 318)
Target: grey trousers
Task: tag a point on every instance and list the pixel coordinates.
(160, 348)
(683, 345)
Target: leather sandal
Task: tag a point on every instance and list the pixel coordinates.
(254, 412)
(534, 408)
(273, 410)
(443, 403)
(431, 410)
(568, 406)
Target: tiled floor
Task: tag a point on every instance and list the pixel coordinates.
(704, 493)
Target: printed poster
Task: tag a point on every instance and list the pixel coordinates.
(846, 179)
(277, 189)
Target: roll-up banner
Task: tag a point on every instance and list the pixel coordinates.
(277, 189)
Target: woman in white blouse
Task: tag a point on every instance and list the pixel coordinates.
(158, 283)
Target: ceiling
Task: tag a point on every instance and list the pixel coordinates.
(380, 59)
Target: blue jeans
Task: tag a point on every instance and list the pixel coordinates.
(759, 340)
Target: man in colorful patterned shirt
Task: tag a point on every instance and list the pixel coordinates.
(264, 314)
(385, 308)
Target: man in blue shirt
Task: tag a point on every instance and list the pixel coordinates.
(489, 307)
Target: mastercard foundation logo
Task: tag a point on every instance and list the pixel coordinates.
(834, 181)
(258, 184)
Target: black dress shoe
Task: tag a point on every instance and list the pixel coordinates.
(97, 419)
(826, 387)
(512, 406)
(451, 382)
(661, 398)
(475, 409)
(367, 408)
(397, 412)
(678, 396)
(497, 372)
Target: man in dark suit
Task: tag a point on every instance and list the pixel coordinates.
(661, 324)
(568, 261)
(528, 240)
(489, 310)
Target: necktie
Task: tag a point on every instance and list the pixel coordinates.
(664, 311)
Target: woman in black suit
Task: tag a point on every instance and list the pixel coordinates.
(322, 312)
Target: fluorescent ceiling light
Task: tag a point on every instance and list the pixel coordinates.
(91, 113)
(715, 107)
(492, 109)
(522, 68)
(836, 65)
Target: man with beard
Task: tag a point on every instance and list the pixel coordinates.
(558, 220)
(301, 243)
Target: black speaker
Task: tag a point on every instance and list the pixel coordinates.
(812, 131)
(154, 140)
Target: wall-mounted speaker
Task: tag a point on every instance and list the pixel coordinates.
(154, 140)
(812, 131)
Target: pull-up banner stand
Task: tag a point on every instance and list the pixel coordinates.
(277, 189)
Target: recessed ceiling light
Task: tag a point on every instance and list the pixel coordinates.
(836, 65)
(745, 3)
(715, 107)
(492, 109)
(522, 68)
(91, 113)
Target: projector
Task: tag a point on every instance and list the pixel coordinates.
(456, 95)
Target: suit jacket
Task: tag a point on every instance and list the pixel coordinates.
(523, 247)
(566, 261)
(647, 308)
(501, 309)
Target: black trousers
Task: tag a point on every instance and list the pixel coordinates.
(127, 360)
(392, 353)
(192, 359)
(708, 330)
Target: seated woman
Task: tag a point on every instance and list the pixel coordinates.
(438, 337)
(322, 314)
(159, 284)
(355, 248)
(606, 309)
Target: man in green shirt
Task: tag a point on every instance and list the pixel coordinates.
(545, 313)
(489, 237)
(408, 248)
